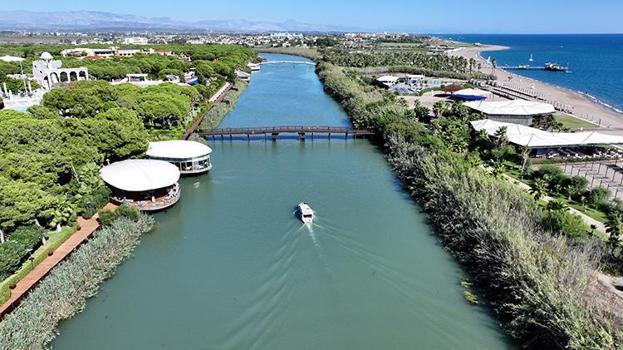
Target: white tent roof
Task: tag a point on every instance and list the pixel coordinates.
(535, 138)
(138, 175)
(11, 59)
(177, 149)
(514, 107)
(473, 92)
(387, 79)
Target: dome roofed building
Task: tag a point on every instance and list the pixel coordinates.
(189, 157)
(145, 184)
(49, 72)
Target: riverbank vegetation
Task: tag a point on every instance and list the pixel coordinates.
(540, 280)
(215, 115)
(64, 292)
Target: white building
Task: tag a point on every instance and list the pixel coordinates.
(189, 156)
(137, 40)
(515, 111)
(49, 72)
(145, 184)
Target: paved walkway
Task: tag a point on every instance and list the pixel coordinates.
(87, 227)
(217, 98)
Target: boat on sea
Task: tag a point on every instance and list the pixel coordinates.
(305, 213)
(531, 58)
(555, 67)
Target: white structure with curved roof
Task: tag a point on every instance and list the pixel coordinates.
(515, 111)
(534, 138)
(146, 184)
(140, 175)
(189, 157)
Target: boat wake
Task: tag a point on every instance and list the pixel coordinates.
(266, 311)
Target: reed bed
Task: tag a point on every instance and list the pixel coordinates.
(65, 291)
(541, 285)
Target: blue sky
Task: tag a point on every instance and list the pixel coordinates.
(438, 16)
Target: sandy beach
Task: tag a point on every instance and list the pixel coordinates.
(583, 106)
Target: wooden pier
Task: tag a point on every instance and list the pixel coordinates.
(543, 68)
(275, 131)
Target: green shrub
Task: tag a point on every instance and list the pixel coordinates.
(129, 212)
(17, 249)
(599, 197)
(564, 222)
(548, 171)
(106, 217)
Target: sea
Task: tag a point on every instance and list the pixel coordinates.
(595, 61)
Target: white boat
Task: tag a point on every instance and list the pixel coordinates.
(531, 58)
(254, 66)
(305, 213)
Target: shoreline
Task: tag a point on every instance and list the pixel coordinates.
(585, 106)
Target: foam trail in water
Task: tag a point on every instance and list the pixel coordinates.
(268, 306)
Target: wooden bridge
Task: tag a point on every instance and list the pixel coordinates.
(275, 131)
(289, 62)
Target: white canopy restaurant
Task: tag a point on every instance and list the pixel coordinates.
(189, 157)
(535, 138)
(145, 184)
(515, 111)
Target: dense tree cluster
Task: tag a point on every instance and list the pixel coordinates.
(437, 62)
(163, 106)
(49, 170)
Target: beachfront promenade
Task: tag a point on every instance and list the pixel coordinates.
(26, 284)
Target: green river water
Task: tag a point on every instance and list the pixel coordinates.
(230, 267)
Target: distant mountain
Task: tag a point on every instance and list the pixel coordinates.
(91, 21)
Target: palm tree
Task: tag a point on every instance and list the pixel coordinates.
(440, 108)
(500, 135)
(614, 227)
(498, 169)
(494, 63)
(525, 155)
(539, 189)
(557, 205)
(571, 191)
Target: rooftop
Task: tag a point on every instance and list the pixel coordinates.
(177, 149)
(535, 138)
(139, 175)
(511, 108)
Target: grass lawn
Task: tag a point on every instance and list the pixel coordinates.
(573, 122)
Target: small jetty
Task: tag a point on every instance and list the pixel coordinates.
(550, 67)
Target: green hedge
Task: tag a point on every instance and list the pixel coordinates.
(18, 246)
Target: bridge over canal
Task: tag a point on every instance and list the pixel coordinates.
(275, 131)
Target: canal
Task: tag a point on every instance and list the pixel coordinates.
(230, 267)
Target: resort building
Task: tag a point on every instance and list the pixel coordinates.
(145, 184)
(189, 157)
(533, 138)
(48, 72)
(137, 40)
(515, 111)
